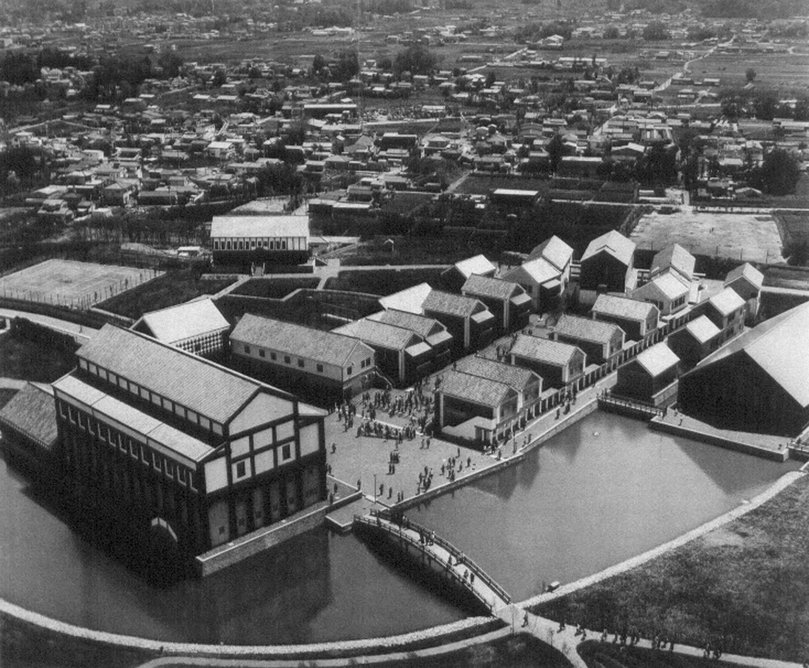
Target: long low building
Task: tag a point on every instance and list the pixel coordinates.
(320, 365)
(183, 446)
(272, 239)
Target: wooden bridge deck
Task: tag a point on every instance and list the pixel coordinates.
(456, 566)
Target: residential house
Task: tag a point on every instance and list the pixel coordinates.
(694, 342)
(541, 280)
(638, 319)
(747, 281)
(458, 273)
(649, 377)
(507, 301)
(608, 263)
(666, 292)
(525, 382)
(433, 332)
(471, 324)
(600, 341)
(726, 311)
(558, 363)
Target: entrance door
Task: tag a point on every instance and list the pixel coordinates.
(241, 518)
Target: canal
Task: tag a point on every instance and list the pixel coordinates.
(603, 490)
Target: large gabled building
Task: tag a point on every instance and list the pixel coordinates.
(197, 327)
(608, 263)
(601, 341)
(180, 444)
(507, 301)
(272, 239)
(557, 363)
(758, 381)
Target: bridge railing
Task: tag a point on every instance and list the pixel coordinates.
(459, 556)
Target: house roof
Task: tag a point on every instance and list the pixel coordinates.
(779, 346)
(726, 301)
(614, 243)
(748, 272)
(514, 376)
(446, 302)
(496, 288)
(260, 226)
(555, 251)
(196, 383)
(623, 307)
(586, 329)
(664, 285)
(376, 333)
(475, 265)
(154, 430)
(32, 412)
(474, 388)
(544, 350)
(674, 256)
(421, 325)
(702, 329)
(288, 337)
(538, 270)
(409, 299)
(184, 321)
(657, 359)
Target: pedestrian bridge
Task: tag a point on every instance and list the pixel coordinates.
(435, 555)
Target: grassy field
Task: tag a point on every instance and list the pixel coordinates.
(384, 282)
(746, 583)
(606, 655)
(71, 282)
(173, 287)
(274, 288)
(773, 70)
(31, 360)
(412, 250)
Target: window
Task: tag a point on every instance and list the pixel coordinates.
(228, 245)
(286, 452)
(300, 363)
(261, 353)
(287, 360)
(273, 356)
(253, 244)
(240, 470)
(63, 409)
(247, 349)
(349, 370)
(319, 368)
(216, 244)
(181, 474)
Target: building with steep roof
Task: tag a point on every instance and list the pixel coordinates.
(540, 279)
(556, 252)
(747, 281)
(607, 264)
(458, 273)
(726, 310)
(638, 319)
(323, 366)
(694, 342)
(435, 334)
(557, 363)
(650, 377)
(677, 261)
(525, 382)
(666, 292)
(507, 301)
(756, 382)
(197, 327)
(600, 341)
(185, 446)
(258, 239)
(471, 324)
(28, 427)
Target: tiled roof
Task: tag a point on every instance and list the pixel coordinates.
(288, 337)
(260, 226)
(748, 271)
(475, 265)
(657, 359)
(32, 412)
(514, 376)
(409, 299)
(483, 286)
(622, 307)
(446, 302)
(702, 329)
(726, 301)
(614, 243)
(586, 329)
(555, 251)
(193, 382)
(676, 257)
(664, 285)
(184, 321)
(378, 334)
(538, 270)
(474, 388)
(421, 325)
(543, 350)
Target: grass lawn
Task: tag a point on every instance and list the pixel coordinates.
(746, 582)
(436, 250)
(173, 287)
(385, 281)
(31, 360)
(274, 288)
(607, 655)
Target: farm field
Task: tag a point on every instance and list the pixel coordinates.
(72, 283)
(773, 70)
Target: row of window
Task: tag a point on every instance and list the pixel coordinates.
(203, 344)
(301, 363)
(251, 244)
(126, 445)
(152, 397)
(285, 456)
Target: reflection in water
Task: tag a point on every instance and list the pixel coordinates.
(626, 490)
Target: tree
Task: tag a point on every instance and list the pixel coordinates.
(750, 75)
(655, 32)
(171, 64)
(318, 63)
(347, 65)
(415, 59)
(219, 79)
(778, 174)
(612, 32)
(555, 149)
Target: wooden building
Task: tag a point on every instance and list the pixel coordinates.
(600, 341)
(694, 342)
(526, 383)
(638, 319)
(541, 280)
(471, 324)
(322, 366)
(557, 363)
(608, 263)
(435, 334)
(197, 327)
(507, 301)
(726, 310)
(747, 282)
(647, 377)
(179, 445)
(273, 239)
